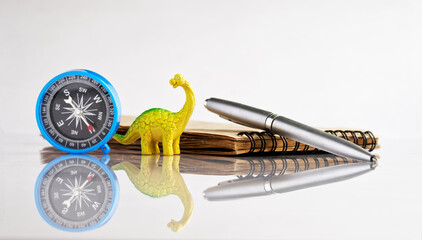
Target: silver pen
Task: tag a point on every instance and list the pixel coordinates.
(257, 118)
(261, 186)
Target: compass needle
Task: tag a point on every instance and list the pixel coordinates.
(90, 127)
(71, 102)
(69, 201)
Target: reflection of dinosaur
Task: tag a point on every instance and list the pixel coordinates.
(162, 181)
(158, 124)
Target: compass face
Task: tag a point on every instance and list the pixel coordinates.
(77, 111)
(76, 194)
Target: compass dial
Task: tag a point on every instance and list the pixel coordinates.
(76, 193)
(77, 111)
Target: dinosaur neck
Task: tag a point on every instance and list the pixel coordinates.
(183, 193)
(187, 109)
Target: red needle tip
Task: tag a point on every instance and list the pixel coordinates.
(90, 128)
(89, 178)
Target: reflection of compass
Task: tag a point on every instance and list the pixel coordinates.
(78, 111)
(77, 192)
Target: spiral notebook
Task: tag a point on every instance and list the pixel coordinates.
(233, 139)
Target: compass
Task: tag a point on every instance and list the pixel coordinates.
(77, 192)
(78, 111)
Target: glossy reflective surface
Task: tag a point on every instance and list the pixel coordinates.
(381, 204)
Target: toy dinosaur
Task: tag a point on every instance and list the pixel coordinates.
(160, 125)
(162, 181)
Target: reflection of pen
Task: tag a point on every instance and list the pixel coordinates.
(286, 183)
(258, 118)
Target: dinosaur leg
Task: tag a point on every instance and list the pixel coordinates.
(176, 147)
(156, 159)
(149, 162)
(175, 163)
(154, 147)
(167, 144)
(166, 167)
(146, 143)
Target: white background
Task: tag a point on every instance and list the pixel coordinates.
(353, 64)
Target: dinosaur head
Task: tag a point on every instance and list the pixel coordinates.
(178, 80)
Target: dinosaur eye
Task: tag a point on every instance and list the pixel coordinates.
(177, 77)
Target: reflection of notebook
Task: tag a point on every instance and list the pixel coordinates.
(244, 166)
(233, 139)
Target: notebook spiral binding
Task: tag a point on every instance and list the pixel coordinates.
(258, 167)
(274, 142)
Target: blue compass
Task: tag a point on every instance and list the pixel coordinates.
(77, 192)
(78, 111)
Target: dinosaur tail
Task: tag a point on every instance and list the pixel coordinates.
(131, 136)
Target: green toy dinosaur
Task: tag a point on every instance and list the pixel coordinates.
(162, 181)
(160, 125)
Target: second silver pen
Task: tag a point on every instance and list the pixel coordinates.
(257, 118)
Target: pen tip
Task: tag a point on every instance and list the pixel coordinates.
(204, 194)
(205, 103)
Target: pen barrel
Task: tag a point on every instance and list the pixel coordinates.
(238, 113)
(319, 139)
(235, 190)
(317, 177)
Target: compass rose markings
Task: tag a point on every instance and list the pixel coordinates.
(79, 112)
(78, 193)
